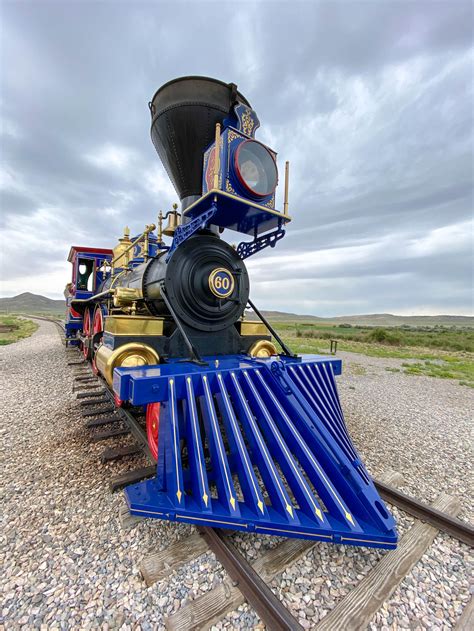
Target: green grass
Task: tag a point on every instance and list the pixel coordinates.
(444, 353)
(13, 329)
(446, 368)
(438, 338)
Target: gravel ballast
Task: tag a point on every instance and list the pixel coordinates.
(67, 563)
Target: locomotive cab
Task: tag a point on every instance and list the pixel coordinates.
(89, 270)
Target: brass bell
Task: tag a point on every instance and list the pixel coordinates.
(172, 224)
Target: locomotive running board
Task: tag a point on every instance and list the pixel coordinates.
(257, 445)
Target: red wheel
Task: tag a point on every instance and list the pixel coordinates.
(98, 324)
(118, 402)
(95, 370)
(152, 426)
(86, 325)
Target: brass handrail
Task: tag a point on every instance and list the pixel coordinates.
(145, 233)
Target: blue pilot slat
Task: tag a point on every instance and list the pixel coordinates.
(246, 474)
(197, 463)
(285, 459)
(256, 445)
(174, 477)
(313, 468)
(306, 387)
(328, 393)
(276, 489)
(219, 463)
(335, 419)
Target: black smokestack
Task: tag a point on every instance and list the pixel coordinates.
(184, 115)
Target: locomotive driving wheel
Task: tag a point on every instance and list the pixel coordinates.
(86, 327)
(97, 333)
(152, 427)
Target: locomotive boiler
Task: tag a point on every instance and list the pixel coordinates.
(246, 434)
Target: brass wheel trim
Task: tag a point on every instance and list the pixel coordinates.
(150, 356)
(263, 348)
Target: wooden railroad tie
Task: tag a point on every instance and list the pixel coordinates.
(123, 431)
(98, 422)
(466, 621)
(356, 610)
(95, 401)
(120, 452)
(104, 410)
(130, 477)
(211, 607)
(90, 395)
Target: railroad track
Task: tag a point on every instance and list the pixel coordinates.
(250, 582)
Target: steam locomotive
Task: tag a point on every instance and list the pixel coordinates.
(246, 434)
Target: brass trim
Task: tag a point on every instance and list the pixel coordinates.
(133, 325)
(249, 327)
(212, 277)
(263, 348)
(248, 202)
(131, 354)
(115, 278)
(287, 182)
(125, 245)
(217, 156)
(125, 296)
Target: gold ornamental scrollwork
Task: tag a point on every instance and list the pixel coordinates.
(247, 122)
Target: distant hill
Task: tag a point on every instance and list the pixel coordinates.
(374, 319)
(32, 303)
(388, 319)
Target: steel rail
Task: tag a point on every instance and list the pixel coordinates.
(270, 609)
(56, 321)
(452, 526)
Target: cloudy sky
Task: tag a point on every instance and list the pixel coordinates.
(370, 101)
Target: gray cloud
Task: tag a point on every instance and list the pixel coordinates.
(371, 102)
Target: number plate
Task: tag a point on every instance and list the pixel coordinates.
(221, 282)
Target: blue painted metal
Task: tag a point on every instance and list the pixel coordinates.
(256, 445)
(228, 179)
(247, 248)
(73, 323)
(138, 250)
(237, 213)
(247, 119)
(185, 231)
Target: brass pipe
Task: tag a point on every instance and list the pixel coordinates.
(145, 247)
(217, 155)
(160, 227)
(287, 179)
(147, 230)
(92, 298)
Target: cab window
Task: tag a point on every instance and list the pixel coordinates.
(85, 276)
